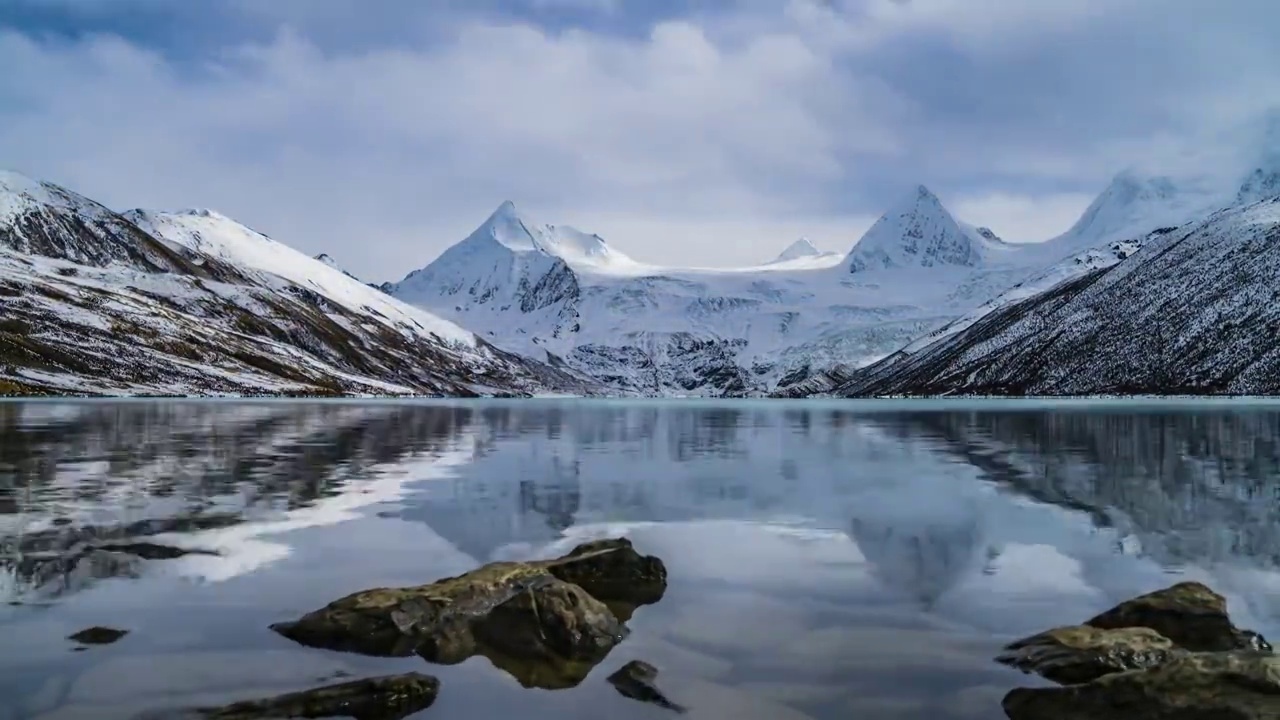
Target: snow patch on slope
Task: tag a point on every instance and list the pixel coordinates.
(20, 194)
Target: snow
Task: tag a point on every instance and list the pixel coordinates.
(221, 237)
(538, 289)
(1192, 309)
(324, 258)
(916, 232)
(916, 276)
(20, 194)
(193, 303)
(1134, 204)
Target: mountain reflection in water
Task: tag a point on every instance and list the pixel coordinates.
(826, 561)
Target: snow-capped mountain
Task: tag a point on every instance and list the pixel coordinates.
(1195, 309)
(920, 232)
(804, 252)
(194, 303)
(544, 289)
(1134, 204)
(1108, 241)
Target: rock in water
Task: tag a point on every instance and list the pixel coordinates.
(636, 680)
(98, 635)
(542, 621)
(612, 571)
(1173, 654)
(1140, 633)
(1237, 685)
(549, 636)
(1189, 613)
(380, 698)
(1081, 653)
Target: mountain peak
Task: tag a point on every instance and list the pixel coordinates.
(20, 194)
(506, 227)
(202, 212)
(1262, 182)
(801, 248)
(1134, 203)
(917, 231)
(15, 182)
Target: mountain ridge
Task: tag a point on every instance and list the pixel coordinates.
(737, 331)
(196, 304)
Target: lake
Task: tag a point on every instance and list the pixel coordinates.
(826, 560)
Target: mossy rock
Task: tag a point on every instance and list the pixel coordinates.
(1237, 685)
(390, 697)
(546, 622)
(1081, 653)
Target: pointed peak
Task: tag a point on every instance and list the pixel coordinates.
(916, 232)
(505, 209)
(801, 248)
(507, 228)
(918, 199)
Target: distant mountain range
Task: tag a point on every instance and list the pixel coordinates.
(1161, 286)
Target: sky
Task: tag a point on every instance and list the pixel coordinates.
(685, 132)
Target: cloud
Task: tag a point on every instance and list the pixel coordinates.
(705, 136)
(1023, 218)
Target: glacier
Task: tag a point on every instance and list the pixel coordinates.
(556, 293)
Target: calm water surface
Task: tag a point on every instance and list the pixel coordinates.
(826, 561)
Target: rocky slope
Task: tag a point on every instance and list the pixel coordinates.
(1193, 310)
(192, 303)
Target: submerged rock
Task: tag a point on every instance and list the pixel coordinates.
(1082, 653)
(1189, 613)
(1236, 685)
(390, 697)
(98, 635)
(151, 551)
(547, 622)
(637, 680)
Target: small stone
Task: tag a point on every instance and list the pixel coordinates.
(98, 635)
(636, 680)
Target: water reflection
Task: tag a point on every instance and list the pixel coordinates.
(812, 548)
